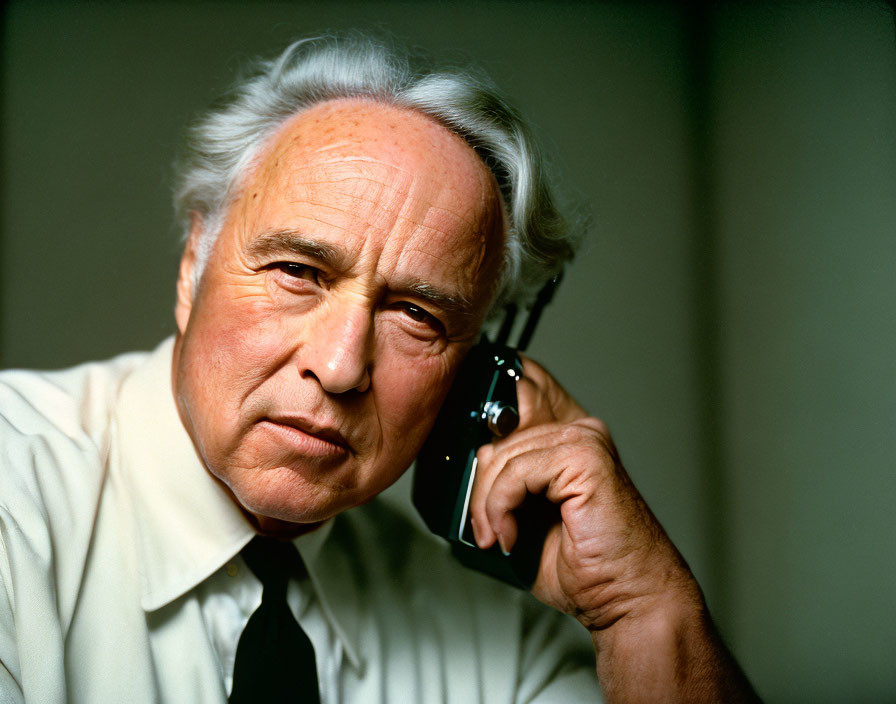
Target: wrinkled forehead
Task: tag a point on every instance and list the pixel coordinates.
(355, 138)
(364, 168)
(368, 196)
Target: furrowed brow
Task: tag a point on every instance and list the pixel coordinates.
(289, 242)
(454, 305)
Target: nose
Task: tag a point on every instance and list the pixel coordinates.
(338, 353)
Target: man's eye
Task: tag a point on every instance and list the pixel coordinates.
(299, 271)
(419, 315)
(416, 313)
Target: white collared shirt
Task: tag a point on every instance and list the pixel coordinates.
(122, 581)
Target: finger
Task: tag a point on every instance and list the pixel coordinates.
(542, 399)
(533, 404)
(492, 458)
(482, 482)
(548, 432)
(521, 475)
(562, 461)
(589, 430)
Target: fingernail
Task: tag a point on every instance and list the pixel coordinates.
(502, 542)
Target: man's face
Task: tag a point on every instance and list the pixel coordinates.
(351, 275)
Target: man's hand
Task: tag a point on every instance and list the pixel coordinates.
(606, 559)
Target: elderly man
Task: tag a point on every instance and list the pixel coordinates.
(351, 226)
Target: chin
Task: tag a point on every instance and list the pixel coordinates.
(289, 499)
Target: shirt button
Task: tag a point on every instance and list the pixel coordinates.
(232, 569)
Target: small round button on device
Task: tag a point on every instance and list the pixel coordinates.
(502, 420)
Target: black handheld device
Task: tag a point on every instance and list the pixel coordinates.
(481, 404)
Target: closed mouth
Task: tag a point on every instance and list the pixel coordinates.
(314, 439)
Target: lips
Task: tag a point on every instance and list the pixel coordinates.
(308, 437)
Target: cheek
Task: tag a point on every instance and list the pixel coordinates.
(410, 390)
(229, 350)
(241, 334)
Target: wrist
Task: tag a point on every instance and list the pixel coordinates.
(668, 649)
(659, 595)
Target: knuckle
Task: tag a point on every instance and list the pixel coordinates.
(514, 467)
(493, 512)
(595, 425)
(599, 425)
(567, 434)
(585, 439)
(485, 453)
(574, 434)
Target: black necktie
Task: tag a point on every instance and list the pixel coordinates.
(274, 657)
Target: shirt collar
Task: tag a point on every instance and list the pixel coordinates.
(187, 525)
(327, 556)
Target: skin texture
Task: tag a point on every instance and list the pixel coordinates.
(606, 560)
(352, 274)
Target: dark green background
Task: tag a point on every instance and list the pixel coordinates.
(732, 315)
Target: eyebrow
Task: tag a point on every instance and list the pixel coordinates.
(451, 304)
(280, 242)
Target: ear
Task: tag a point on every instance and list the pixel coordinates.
(185, 288)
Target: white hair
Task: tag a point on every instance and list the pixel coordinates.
(226, 141)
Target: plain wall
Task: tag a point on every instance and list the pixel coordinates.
(730, 315)
(804, 167)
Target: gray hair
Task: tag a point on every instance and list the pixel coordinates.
(312, 71)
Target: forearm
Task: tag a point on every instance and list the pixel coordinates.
(606, 560)
(668, 653)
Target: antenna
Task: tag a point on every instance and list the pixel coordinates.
(541, 300)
